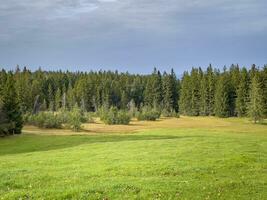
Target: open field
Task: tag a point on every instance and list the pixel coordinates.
(185, 158)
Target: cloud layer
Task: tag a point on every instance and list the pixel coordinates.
(140, 26)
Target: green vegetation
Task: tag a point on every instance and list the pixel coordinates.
(205, 158)
(149, 114)
(10, 113)
(115, 116)
(44, 120)
(234, 92)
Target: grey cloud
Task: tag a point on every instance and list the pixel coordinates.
(99, 25)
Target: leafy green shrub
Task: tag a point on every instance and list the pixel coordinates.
(5, 127)
(148, 114)
(44, 120)
(114, 116)
(76, 118)
(88, 117)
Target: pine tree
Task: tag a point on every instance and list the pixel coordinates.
(11, 106)
(124, 100)
(51, 98)
(222, 96)
(264, 86)
(242, 94)
(71, 101)
(195, 93)
(58, 99)
(234, 81)
(4, 125)
(185, 95)
(174, 88)
(204, 101)
(211, 81)
(256, 103)
(23, 90)
(157, 89)
(148, 96)
(168, 101)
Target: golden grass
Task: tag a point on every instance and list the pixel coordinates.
(208, 123)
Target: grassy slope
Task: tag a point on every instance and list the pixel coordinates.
(194, 158)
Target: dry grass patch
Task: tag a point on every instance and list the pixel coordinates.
(208, 123)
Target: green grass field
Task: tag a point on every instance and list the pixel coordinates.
(186, 158)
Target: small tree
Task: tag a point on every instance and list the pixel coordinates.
(256, 104)
(75, 118)
(132, 108)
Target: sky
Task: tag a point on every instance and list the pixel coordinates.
(132, 35)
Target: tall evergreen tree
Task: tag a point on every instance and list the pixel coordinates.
(195, 92)
(256, 103)
(185, 95)
(11, 107)
(51, 97)
(211, 82)
(58, 99)
(168, 101)
(264, 86)
(242, 94)
(204, 100)
(222, 108)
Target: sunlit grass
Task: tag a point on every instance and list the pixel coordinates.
(185, 158)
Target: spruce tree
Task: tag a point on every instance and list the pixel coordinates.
(242, 94)
(148, 95)
(58, 99)
(174, 88)
(4, 125)
(256, 99)
(222, 96)
(51, 97)
(211, 82)
(156, 89)
(11, 107)
(195, 92)
(185, 95)
(204, 101)
(264, 86)
(168, 101)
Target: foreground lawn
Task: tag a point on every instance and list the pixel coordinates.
(186, 158)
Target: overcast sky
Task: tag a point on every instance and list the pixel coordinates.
(132, 35)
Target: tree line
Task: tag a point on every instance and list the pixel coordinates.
(234, 92)
(237, 92)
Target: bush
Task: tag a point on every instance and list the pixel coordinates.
(88, 117)
(44, 120)
(113, 116)
(148, 114)
(76, 118)
(166, 113)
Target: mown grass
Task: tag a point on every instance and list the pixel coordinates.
(208, 158)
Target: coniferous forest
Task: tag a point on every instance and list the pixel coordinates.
(27, 96)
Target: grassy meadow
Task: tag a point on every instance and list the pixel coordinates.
(184, 158)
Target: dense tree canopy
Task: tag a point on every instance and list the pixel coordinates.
(233, 92)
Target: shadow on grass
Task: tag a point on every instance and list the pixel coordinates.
(35, 143)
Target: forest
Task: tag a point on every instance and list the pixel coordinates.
(51, 98)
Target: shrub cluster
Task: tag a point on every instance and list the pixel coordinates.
(70, 119)
(148, 114)
(115, 116)
(44, 120)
